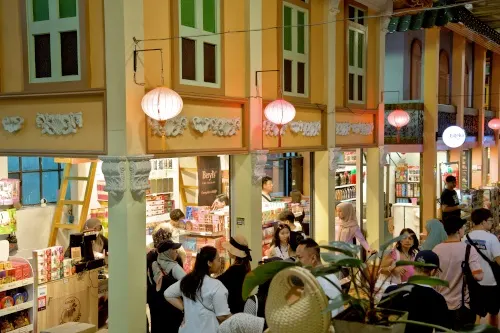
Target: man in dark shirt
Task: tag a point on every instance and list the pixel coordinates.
(422, 302)
(450, 205)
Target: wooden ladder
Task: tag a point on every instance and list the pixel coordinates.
(61, 201)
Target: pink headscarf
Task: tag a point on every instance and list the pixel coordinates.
(347, 227)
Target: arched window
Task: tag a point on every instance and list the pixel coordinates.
(466, 86)
(444, 78)
(416, 69)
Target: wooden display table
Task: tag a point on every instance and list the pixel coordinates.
(72, 299)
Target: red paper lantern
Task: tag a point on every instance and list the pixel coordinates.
(398, 118)
(494, 124)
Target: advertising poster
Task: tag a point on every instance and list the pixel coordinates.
(209, 179)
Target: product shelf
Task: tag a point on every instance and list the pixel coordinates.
(16, 308)
(344, 186)
(16, 284)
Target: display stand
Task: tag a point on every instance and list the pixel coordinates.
(26, 282)
(407, 184)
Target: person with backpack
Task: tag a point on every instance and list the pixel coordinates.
(422, 302)
(488, 247)
(164, 272)
(459, 263)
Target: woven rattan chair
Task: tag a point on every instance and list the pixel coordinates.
(296, 303)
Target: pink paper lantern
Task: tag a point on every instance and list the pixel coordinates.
(162, 104)
(494, 124)
(279, 112)
(398, 118)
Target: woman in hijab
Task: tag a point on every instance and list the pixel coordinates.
(347, 226)
(100, 245)
(234, 276)
(435, 234)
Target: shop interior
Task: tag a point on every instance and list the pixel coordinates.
(402, 191)
(198, 186)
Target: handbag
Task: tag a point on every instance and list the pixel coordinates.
(495, 268)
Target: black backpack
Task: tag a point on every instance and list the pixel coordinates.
(475, 303)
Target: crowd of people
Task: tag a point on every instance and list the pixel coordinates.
(209, 299)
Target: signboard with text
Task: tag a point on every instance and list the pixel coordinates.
(209, 179)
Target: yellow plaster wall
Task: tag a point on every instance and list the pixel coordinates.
(372, 61)
(270, 80)
(194, 142)
(354, 139)
(235, 48)
(316, 53)
(89, 140)
(290, 139)
(11, 65)
(340, 57)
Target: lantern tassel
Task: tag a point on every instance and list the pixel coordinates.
(279, 135)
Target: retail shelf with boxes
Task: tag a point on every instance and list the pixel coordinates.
(16, 296)
(407, 183)
(270, 213)
(9, 196)
(203, 227)
(345, 183)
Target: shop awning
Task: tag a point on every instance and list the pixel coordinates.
(437, 18)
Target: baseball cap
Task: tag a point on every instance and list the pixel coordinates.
(427, 257)
(167, 245)
(452, 224)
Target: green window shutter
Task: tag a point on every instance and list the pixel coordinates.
(67, 8)
(361, 48)
(209, 16)
(301, 32)
(40, 10)
(351, 47)
(287, 29)
(188, 17)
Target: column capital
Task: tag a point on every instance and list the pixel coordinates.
(333, 7)
(333, 157)
(115, 173)
(259, 160)
(383, 155)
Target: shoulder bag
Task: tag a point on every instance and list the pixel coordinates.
(495, 268)
(469, 282)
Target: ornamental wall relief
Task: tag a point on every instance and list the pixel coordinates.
(59, 124)
(218, 126)
(12, 124)
(344, 129)
(170, 128)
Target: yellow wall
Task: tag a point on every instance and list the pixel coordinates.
(340, 57)
(11, 65)
(89, 140)
(292, 140)
(270, 61)
(354, 140)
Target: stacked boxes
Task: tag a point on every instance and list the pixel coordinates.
(14, 271)
(52, 265)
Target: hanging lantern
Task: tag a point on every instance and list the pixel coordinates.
(494, 124)
(398, 118)
(280, 113)
(162, 104)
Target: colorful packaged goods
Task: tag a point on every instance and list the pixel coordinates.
(51, 264)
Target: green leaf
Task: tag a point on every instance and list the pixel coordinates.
(481, 329)
(340, 249)
(427, 280)
(326, 270)
(350, 247)
(387, 244)
(337, 302)
(341, 259)
(414, 264)
(261, 274)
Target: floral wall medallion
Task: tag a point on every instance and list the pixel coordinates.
(172, 127)
(307, 128)
(344, 129)
(12, 124)
(272, 130)
(218, 126)
(59, 124)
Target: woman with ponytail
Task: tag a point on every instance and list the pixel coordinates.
(233, 278)
(202, 298)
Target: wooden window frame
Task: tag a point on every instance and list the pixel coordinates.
(415, 42)
(467, 85)
(349, 25)
(281, 60)
(44, 85)
(40, 172)
(445, 94)
(294, 56)
(198, 86)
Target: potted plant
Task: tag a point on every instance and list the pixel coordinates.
(363, 312)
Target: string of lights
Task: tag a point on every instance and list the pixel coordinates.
(366, 17)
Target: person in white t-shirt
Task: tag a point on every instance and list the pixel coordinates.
(202, 298)
(489, 246)
(308, 255)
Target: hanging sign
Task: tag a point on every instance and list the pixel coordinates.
(454, 136)
(209, 179)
